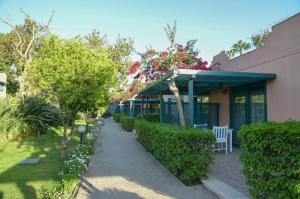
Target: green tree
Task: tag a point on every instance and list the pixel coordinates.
(7, 62)
(24, 40)
(72, 75)
(239, 47)
(120, 53)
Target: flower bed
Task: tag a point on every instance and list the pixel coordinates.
(187, 153)
(74, 167)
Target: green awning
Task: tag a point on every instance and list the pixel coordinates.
(204, 81)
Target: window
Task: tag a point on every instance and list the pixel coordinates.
(203, 99)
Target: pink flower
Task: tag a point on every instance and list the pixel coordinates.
(165, 54)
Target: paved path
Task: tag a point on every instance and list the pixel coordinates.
(122, 169)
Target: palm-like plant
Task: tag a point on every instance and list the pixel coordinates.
(258, 40)
(38, 115)
(239, 47)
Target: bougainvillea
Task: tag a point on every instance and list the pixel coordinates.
(154, 64)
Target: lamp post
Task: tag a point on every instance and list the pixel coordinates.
(81, 130)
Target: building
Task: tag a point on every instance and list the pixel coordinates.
(279, 55)
(261, 85)
(3, 83)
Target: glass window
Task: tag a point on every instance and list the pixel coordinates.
(257, 106)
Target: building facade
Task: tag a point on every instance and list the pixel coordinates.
(273, 100)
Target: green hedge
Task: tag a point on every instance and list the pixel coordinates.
(127, 122)
(151, 117)
(116, 117)
(271, 158)
(187, 153)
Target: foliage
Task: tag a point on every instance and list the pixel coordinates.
(271, 159)
(154, 64)
(10, 124)
(119, 52)
(7, 62)
(68, 72)
(258, 40)
(116, 117)
(187, 153)
(71, 74)
(74, 167)
(239, 47)
(26, 116)
(151, 117)
(127, 122)
(38, 115)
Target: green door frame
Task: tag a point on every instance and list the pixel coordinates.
(246, 89)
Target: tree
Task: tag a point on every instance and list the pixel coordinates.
(69, 73)
(258, 40)
(96, 41)
(7, 61)
(155, 64)
(119, 52)
(239, 47)
(24, 41)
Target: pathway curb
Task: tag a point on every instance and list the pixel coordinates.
(222, 190)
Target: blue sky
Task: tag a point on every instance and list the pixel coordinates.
(216, 24)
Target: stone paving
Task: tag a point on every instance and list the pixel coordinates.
(122, 169)
(227, 168)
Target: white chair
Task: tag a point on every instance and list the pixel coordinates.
(221, 133)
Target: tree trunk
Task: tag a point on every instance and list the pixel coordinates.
(175, 91)
(64, 143)
(86, 117)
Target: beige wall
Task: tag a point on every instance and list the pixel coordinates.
(3, 79)
(224, 110)
(279, 55)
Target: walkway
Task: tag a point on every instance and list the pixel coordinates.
(122, 169)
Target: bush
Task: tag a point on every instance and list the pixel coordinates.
(187, 153)
(271, 158)
(127, 123)
(151, 117)
(38, 115)
(10, 123)
(116, 117)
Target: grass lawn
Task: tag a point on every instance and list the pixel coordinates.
(25, 181)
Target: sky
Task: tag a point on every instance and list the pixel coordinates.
(216, 24)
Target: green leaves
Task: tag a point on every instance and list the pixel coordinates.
(271, 158)
(72, 74)
(187, 153)
(127, 122)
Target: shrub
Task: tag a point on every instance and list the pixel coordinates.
(187, 153)
(271, 158)
(151, 117)
(127, 122)
(38, 115)
(116, 117)
(10, 124)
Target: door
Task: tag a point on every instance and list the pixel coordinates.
(248, 105)
(239, 113)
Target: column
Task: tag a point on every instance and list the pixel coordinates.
(191, 102)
